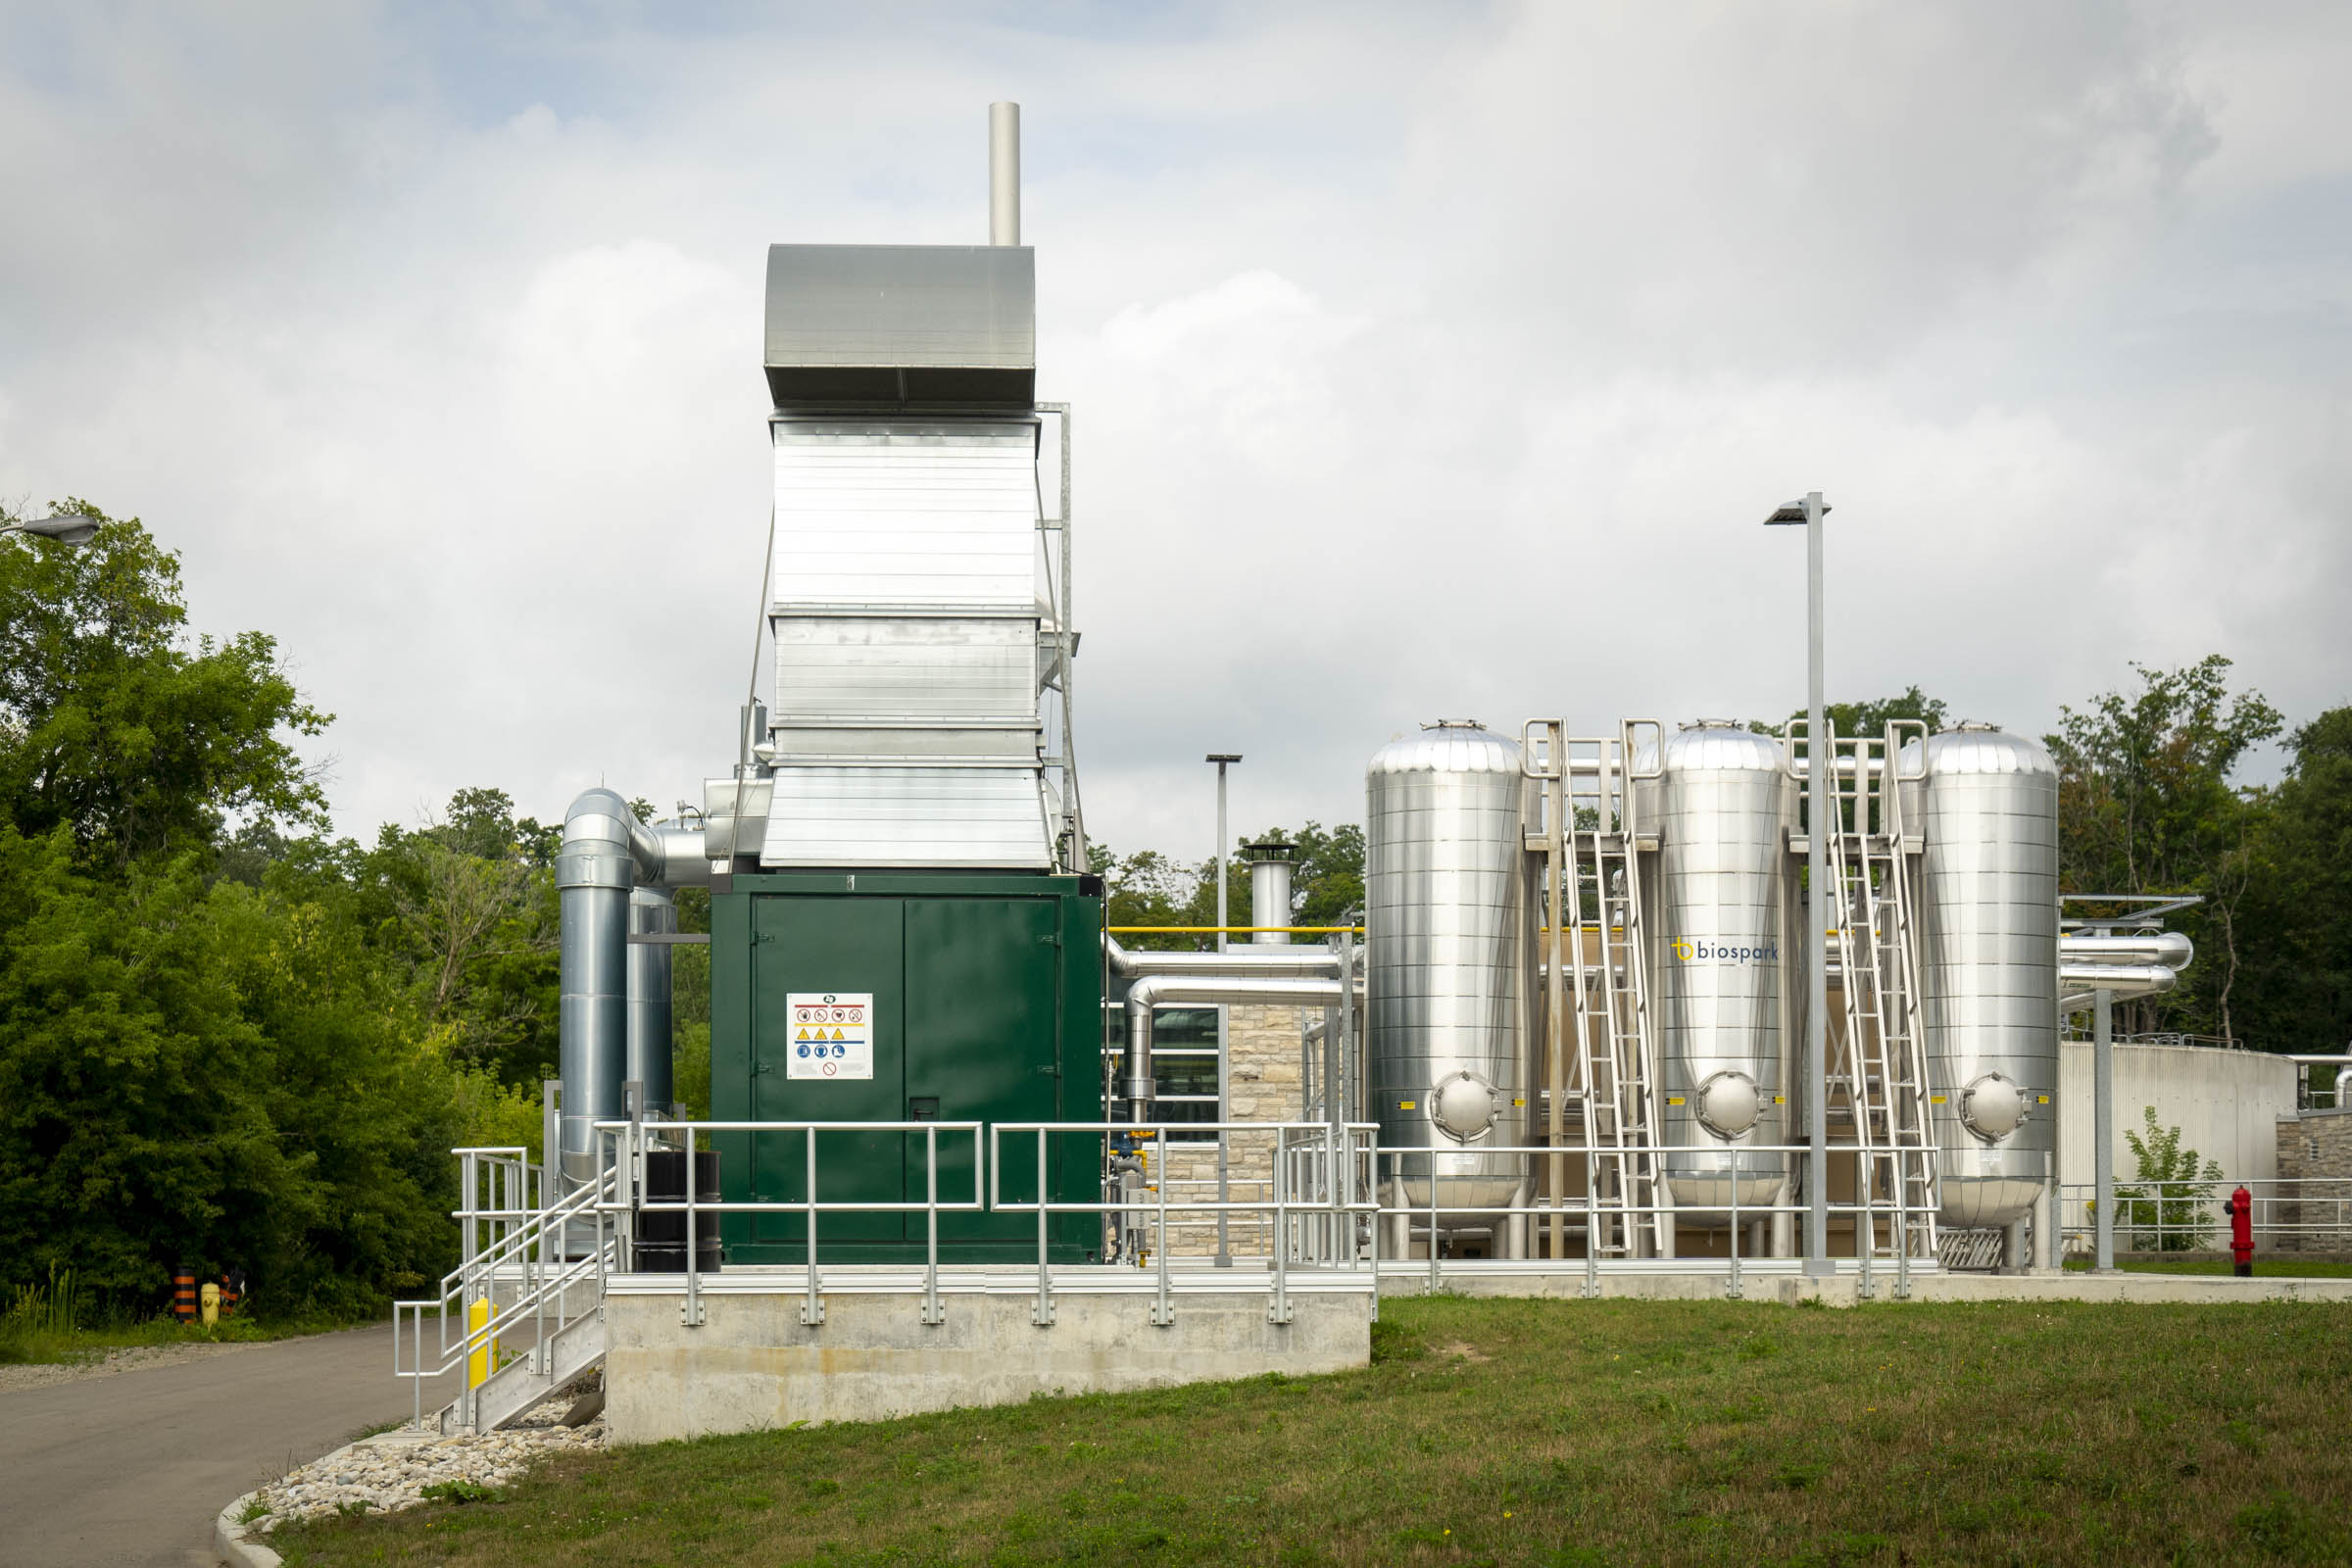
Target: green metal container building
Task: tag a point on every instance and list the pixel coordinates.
(878, 996)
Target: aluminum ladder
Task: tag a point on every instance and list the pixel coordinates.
(1879, 1060)
(1589, 847)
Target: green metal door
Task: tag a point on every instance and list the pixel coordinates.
(813, 948)
(983, 1022)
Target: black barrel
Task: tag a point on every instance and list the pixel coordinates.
(661, 1237)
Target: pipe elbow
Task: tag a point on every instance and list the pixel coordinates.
(597, 849)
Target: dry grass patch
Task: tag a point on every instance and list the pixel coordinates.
(1553, 1433)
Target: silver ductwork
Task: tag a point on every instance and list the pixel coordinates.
(1202, 990)
(595, 871)
(607, 855)
(1236, 962)
(651, 914)
(2080, 984)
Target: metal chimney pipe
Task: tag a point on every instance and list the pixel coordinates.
(1270, 893)
(1003, 174)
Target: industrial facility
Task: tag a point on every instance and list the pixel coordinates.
(1679, 1000)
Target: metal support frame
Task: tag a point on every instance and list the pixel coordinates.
(2102, 1128)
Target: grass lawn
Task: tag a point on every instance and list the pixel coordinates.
(2263, 1268)
(1548, 1432)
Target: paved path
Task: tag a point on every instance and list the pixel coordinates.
(130, 1469)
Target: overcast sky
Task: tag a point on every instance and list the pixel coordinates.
(1429, 361)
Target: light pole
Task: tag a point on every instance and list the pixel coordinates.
(66, 527)
(1223, 760)
(1818, 897)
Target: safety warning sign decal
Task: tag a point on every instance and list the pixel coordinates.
(831, 1034)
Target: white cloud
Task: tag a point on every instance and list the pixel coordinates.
(1427, 361)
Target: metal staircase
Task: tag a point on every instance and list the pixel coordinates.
(543, 1277)
(1596, 990)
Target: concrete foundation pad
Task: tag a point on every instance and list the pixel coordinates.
(1785, 1286)
(754, 1365)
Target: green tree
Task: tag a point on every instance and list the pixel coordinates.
(2165, 1207)
(113, 726)
(2146, 804)
(1870, 718)
(2297, 916)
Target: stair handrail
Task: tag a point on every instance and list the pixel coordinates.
(476, 1278)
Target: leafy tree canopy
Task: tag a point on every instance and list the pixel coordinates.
(115, 727)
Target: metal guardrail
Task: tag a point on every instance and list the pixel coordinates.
(1900, 1225)
(1320, 1195)
(2291, 1214)
(632, 1140)
(1334, 1194)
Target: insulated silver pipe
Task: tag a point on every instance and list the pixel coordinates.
(1172, 991)
(2079, 983)
(2171, 948)
(1236, 962)
(650, 1042)
(597, 866)
(1003, 174)
(679, 856)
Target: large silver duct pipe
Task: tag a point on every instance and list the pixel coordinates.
(2079, 983)
(1173, 989)
(1270, 893)
(607, 854)
(1236, 961)
(651, 914)
(2171, 948)
(594, 870)
(1003, 174)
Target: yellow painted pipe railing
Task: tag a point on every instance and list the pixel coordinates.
(1230, 930)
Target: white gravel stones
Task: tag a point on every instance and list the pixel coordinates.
(391, 1471)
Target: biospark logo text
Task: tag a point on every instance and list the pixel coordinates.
(1705, 952)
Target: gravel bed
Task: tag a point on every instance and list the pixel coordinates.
(133, 1358)
(391, 1471)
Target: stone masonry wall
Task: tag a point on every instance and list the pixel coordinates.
(1262, 1082)
(2315, 1191)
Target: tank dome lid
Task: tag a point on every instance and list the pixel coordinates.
(1714, 744)
(1447, 746)
(1975, 747)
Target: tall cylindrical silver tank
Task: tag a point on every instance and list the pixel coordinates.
(1989, 973)
(1721, 805)
(1445, 905)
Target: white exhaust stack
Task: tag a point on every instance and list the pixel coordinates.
(1003, 174)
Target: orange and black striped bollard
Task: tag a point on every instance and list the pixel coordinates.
(183, 1293)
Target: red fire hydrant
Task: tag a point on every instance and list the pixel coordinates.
(2241, 1231)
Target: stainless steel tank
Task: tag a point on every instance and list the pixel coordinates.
(1444, 910)
(1989, 971)
(1721, 805)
